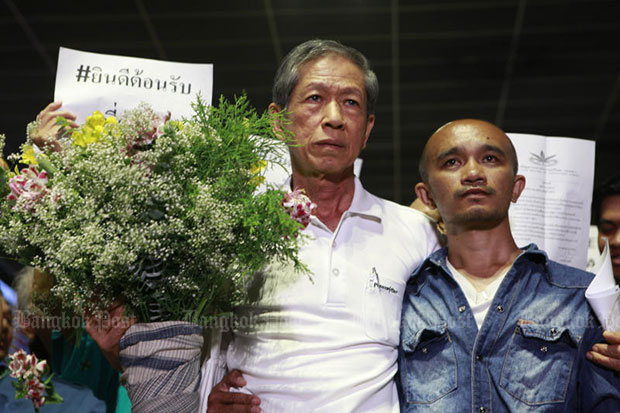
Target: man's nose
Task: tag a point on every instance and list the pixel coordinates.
(333, 115)
(614, 239)
(473, 173)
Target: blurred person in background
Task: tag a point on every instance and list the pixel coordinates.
(606, 212)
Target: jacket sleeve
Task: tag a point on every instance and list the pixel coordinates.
(598, 387)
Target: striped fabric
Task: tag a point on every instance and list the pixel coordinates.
(161, 366)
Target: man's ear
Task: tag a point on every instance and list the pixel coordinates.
(370, 122)
(424, 193)
(273, 109)
(517, 187)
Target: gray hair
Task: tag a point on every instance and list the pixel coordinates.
(287, 75)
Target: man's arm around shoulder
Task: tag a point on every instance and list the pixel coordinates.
(598, 387)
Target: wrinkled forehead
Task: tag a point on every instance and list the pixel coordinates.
(332, 64)
(455, 137)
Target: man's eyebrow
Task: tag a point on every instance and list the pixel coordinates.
(493, 148)
(449, 152)
(485, 148)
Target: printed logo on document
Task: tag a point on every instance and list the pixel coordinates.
(543, 160)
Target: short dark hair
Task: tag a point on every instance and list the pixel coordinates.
(609, 187)
(287, 75)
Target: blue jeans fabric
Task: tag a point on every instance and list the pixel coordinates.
(529, 354)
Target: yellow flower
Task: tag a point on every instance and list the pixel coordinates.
(258, 167)
(95, 127)
(111, 126)
(78, 138)
(28, 156)
(255, 170)
(96, 119)
(257, 180)
(179, 125)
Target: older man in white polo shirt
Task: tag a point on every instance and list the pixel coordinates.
(329, 343)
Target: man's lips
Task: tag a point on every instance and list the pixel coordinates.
(476, 191)
(329, 143)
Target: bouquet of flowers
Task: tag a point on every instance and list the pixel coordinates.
(163, 216)
(34, 380)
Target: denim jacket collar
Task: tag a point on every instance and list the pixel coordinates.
(438, 258)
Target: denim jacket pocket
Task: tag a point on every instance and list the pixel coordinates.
(430, 365)
(539, 362)
(383, 300)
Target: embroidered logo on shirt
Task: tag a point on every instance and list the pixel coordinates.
(375, 283)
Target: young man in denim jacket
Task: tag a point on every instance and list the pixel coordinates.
(487, 326)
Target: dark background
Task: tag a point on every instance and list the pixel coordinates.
(540, 66)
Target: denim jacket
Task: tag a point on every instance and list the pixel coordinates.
(529, 354)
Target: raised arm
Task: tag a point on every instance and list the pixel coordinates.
(599, 387)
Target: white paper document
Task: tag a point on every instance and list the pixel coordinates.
(86, 82)
(554, 208)
(603, 294)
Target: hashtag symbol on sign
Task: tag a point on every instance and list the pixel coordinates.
(83, 73)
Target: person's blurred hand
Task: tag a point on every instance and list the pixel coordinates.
(221, 399)
(48, 132)
(607, 354)
(107, 332)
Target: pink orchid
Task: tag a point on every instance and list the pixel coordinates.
(30, 185)
(299, 206)
(29, 373)
(19, 364)
(38, 402)
(40, 366)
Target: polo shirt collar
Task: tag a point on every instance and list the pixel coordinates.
(363, 204)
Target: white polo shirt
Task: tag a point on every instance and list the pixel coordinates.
(329, 342)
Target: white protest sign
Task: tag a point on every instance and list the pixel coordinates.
(86, 82)
(554, 208)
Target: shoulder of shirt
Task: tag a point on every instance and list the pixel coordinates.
(559, 275)
(565, 276)
(412, 224)
(405, 213)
